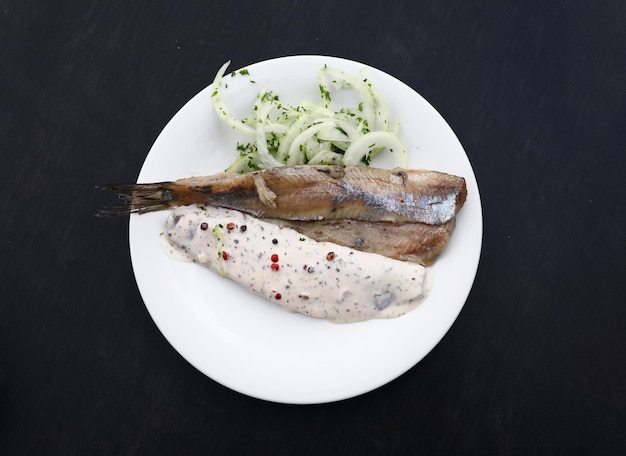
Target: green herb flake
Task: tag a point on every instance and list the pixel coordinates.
(325, 93)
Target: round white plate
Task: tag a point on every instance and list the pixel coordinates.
(251, 345)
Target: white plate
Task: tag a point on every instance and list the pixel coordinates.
(251, 345)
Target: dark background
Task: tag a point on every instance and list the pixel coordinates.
(535, 91)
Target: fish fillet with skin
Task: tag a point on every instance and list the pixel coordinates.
(308, 192)
(401, 213)
(416, 242)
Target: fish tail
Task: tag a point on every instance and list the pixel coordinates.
(139, 198)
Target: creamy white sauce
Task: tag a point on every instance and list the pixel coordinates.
(319, 279)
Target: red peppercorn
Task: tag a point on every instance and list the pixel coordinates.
(277, 296)
(204, 226)
(275, 266)
(230, 226)
(225, 255)
(330, 256)
(274, 258)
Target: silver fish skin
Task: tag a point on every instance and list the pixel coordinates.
(310, 193)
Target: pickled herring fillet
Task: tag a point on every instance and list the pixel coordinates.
(309, 193)
(416, 242)
(318, 279)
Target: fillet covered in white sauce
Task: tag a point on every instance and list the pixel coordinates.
(319, 279)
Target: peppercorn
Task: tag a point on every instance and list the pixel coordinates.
(275, 266)
(274, 258)
(204, 226)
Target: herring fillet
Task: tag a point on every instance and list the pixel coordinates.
(415, 242)
(309, 193)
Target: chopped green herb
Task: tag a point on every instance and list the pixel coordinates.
(325, 93)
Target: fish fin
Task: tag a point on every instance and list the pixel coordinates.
(265, 194)
(138, 198)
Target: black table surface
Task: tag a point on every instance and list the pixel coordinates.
(535, 362)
